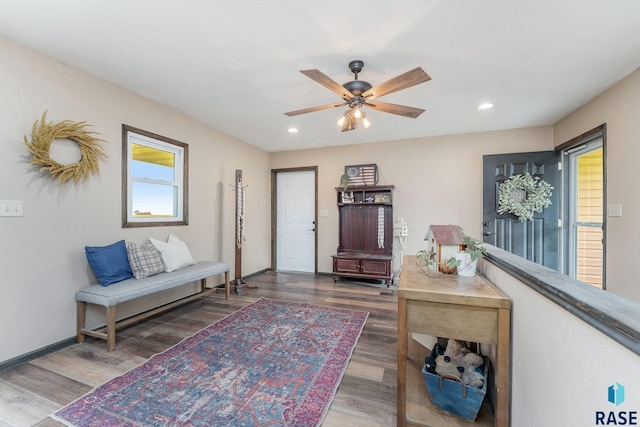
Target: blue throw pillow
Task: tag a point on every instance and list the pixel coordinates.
(110, 263)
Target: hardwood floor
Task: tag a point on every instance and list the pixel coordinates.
(366, 396)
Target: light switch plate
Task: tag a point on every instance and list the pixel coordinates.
(10, 207)
(615, 210)
(324, 212)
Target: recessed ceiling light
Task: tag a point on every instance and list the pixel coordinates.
(485, 106)
(293, 130)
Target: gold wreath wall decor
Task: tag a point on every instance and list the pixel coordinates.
(90, 149)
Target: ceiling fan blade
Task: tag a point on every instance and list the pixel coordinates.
(403, 81)
(312, 109)
(326, 81)
(401, 110)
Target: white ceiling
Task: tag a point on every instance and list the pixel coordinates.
(234, 64)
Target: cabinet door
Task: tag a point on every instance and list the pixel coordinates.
(346, 265)
(376, 267)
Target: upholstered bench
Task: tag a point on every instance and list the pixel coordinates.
(130, 289)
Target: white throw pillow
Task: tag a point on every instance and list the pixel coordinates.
(175, 253)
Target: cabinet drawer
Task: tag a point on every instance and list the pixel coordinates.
(464, 322)
(375, 267)
(346, 265)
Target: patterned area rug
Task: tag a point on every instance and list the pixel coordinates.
(271, 363)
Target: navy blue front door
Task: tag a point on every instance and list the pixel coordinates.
(536, 240)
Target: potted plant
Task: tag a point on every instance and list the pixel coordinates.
(344, 181)
(449, 266)
(468, 258)
(425, 259)
(346, 196)
(428, 259)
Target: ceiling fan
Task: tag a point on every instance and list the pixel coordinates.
(358, 93)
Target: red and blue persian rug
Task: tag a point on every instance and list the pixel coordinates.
(271, 363)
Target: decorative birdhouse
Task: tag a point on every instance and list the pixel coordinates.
(443, 241)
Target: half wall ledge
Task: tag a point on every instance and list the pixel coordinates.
(611, 314)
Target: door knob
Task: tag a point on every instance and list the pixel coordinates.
(487, 233)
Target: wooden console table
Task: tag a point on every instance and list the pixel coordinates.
(451, 306)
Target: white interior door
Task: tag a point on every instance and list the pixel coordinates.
(296, 221)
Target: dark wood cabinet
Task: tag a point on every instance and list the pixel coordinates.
(365, 233)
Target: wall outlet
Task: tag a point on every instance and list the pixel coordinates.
(10, 207)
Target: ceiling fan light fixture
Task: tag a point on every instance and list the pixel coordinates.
(366, 122)
(352, 116)
(485, 106)
(341, 120)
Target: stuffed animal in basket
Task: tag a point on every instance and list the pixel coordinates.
(446, 368)
(448, 363)
(459, 362)
(455, 350)
(470, 376)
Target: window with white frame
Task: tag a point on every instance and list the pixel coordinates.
(586, 212)
(584, 199)
(155, 182)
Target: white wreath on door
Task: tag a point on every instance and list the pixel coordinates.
(523, 195)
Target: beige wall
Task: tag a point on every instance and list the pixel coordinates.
(568, 390)
(438, 180)
(42, 256)
(618, 108)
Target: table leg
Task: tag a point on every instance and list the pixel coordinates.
(402, 362)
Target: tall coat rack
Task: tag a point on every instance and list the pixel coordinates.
(240, 237)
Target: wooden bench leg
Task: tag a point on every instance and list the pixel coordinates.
(81, 318)
(111, 328)
(227, 288)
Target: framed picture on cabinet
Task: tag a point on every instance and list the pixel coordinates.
(362, 174)
(382, 198)
(347, 197)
